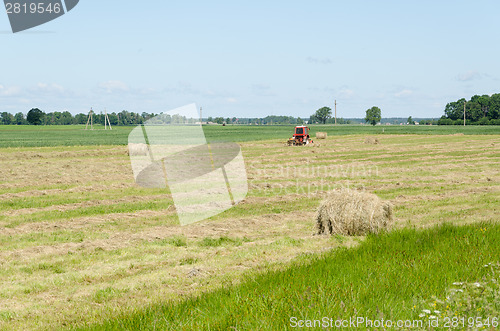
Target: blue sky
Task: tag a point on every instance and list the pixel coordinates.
(254, 58)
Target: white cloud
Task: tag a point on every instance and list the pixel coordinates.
(316, 60)
(262, 90)
(345, 93)
(469, 75)
(9, 91)
(113, 86)
(49, 88)
(231, 100)
(403, 93)
(187, 88)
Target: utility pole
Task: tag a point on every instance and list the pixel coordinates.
(90, 120)
(201, 116)
(106, 119)
(464, 111)
(335, 112)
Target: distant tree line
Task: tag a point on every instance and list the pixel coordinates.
(37, 117)
(479, 110)
(268, 120)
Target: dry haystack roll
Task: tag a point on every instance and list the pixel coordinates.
(137, 149)
(353, 213)
(321, 135)
(371, 140)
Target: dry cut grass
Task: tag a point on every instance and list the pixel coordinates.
(80, 242)
(352, 213)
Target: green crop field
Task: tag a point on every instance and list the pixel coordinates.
(83, 247)
(76, 135)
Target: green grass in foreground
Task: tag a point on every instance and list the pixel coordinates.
(391, 276)
(75, 135)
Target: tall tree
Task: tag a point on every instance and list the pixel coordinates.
(7, 118)
(474, 111)
(455, 110)
(373, 115)
(19, 119)
(484, 101)
(494, 112)
(323, 114)
(35, 116)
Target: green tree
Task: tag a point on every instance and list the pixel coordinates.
(113, 119)
(323, 114)
(81, 118)
(19, 119)
(35, 116)
(494, 112)
(484, 101)
(373, 115)
(474, 110)
(66, 118)
(7, 118)
(455, 110)
(219, 120)
(410, 121)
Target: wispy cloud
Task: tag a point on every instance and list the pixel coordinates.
(341, 92)
(114, 86)
(346, 93)
(188, 89)
(262, 90)
(316, 60)
(9, 91)
(403, 93)
(46, 88)
(469, 75)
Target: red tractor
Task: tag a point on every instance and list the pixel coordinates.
(300, 137)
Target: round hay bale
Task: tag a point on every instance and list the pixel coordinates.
(137, 149)
(321, 135)
(371, 141)
(353, 213)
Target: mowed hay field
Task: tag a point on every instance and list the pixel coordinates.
(80, 242)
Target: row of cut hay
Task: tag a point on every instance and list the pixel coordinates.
(137, 149)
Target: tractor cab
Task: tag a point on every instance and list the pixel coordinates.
(301, 131)
(300, 136)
